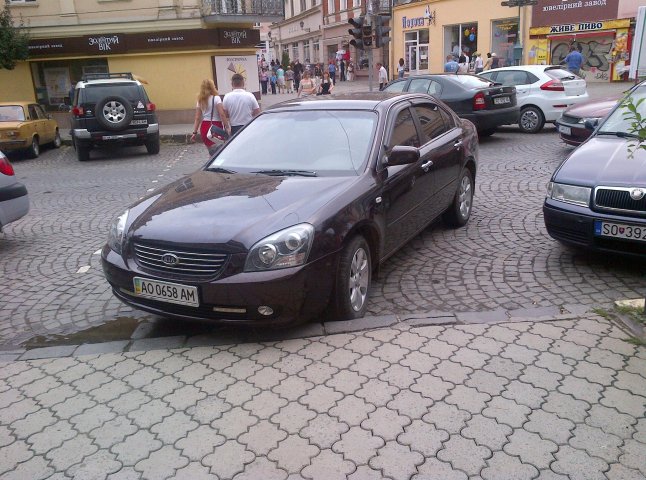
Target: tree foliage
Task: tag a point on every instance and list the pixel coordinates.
(284, 61)
(14, 42)
(637, 125)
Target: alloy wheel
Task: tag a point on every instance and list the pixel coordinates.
(359, 279)
(114, 111)
(529, 120)
(465, 196)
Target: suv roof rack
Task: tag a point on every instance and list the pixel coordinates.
(96, 76)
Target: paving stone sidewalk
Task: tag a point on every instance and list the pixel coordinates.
(524, 400)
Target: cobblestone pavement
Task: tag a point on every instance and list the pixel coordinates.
(52, 283)
(550, 400)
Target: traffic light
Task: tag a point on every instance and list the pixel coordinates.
(367, 35)
(359, 24)
(381, 30)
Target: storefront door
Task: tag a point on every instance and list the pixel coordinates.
(417, 58)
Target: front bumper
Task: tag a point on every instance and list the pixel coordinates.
(295, 294)
(574, 225)
(12, 145)
(490, 119)
(578, 133)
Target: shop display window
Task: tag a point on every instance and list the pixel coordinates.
(416, 50)
(504, 37)
(461, 38)
(54, 80)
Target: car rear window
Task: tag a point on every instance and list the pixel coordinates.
(396, 87)
(11, 113)
(559, 74)
(471, 81)
(129, 91)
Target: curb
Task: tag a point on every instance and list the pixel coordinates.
(138, 343)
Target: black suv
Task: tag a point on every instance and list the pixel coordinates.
(112, 108)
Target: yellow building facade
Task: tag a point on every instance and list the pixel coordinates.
(171, 44)
(424, 33)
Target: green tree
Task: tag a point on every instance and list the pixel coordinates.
(14, 42)
(637, 121)
(284, 61)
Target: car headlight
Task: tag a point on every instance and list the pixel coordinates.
(569, 193)
(288, 248)
(117, 232)
(585, 119)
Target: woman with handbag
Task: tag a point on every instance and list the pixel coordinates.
(208, 112)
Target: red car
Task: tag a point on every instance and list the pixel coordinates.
(571, 125)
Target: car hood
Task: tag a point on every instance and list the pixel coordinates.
(604, 160)
(237, 209)
(592, 108)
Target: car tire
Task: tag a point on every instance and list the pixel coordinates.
(57, 140)
(460, 210)
(34, 149)
(153, 144)
(531, 120)
(114, 112)
(350, 299)
(486, 133)
(82, 152)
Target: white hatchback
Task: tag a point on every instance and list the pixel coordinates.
(14, 201)
(542, 92)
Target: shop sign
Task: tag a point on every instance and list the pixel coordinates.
(113, 43)
(577, 27)
(549, 12)
(580, 27)
(238, 37)
(419, 21)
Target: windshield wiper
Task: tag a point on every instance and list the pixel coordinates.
(277, 172)
(619, 134)
(220, 170)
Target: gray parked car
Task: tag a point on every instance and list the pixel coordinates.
(14, 201)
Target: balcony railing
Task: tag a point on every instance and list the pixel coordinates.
(241, 11)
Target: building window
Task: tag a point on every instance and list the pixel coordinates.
(303, 5)
(313, 3)
(416, 45)
(22, 2)
(306, 51)
(504, 37)
(461, 38)
(343, 5)
(330, 6)
(317, 51)
(295, 51)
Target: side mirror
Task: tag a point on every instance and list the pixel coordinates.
(591, 123)
(400, 155)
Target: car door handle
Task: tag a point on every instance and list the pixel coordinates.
(458, 144)
(427, 165)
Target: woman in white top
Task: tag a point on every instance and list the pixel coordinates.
(208, 111)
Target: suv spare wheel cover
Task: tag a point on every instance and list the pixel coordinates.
(114, 113)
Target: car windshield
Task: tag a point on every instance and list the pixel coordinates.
(12, 113)
(620, 120)
(129, 91)
(306, 142)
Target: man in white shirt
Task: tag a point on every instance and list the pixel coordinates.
(383, 76)
(240, 106)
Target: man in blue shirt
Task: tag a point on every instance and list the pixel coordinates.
(451, 66)
(574, 59)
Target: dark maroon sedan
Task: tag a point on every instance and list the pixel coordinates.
(597, 197)
(295, 212)
(571, 125)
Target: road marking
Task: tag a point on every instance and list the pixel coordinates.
(83, 269)
(150, 190)
(160, 175)
(98, 252)
(155, 181)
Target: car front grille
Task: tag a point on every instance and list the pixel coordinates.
(618, 199)
(191, 263)
(569, 120)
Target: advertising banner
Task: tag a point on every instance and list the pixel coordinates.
(227, 65)
(550, 12)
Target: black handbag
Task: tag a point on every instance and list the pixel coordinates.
(217, 132)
